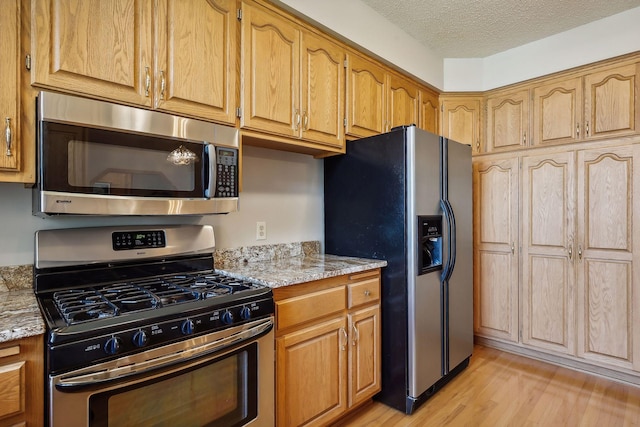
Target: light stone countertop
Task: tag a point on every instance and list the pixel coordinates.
(299, 269)
(19, 315)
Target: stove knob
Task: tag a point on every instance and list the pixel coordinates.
(227, 317)
(187, 327)
(140, 338)
(245, 313)
(112, 346)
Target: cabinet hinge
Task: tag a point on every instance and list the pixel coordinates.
(239, 15)
(239, 112)
(344, 121)
(345, 63)
(27, 62)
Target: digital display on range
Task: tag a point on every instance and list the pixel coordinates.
(127, 240)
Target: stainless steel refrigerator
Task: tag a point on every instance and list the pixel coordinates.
(405, 197)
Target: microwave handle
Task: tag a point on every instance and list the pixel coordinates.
(211, 156)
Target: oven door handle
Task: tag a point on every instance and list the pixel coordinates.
(101, 375)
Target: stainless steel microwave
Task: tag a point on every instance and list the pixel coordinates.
(100, 158)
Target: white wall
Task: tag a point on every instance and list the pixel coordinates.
(612, 36)
(357, 22)
(283, 189)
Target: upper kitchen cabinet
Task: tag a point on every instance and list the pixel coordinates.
(10, 91)
(366, 97)
(93, 47)
(195, 70)
(557, 112)
(599, 104)
(429, 108)
(292, 79)
(461, 117)
(176, 56)
(17, 149)
(507, 120)
(611, 103)
(403, 102)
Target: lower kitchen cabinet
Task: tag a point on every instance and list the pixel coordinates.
(327, 348)
(21, 382)
(567, 288)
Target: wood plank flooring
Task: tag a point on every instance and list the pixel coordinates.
(503, 389)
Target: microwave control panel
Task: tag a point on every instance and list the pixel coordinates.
(226, 172)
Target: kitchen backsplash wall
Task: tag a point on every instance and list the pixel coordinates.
(283, 189)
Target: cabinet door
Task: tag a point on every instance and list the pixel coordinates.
(366, 96)
(508, 121)
(322, 90)
(196, 58)
(548, 274)
(495, 261)
(611, 107)
(557, 110)
(608, 232)
(100, 48)
(311, 373)
(364, 354)
(10, 89)
(403, 102)
(270, 72)
(429, 107)
(461, 121)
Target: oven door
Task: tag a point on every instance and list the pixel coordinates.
(221, 379)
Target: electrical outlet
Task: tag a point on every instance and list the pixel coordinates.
(261, 230)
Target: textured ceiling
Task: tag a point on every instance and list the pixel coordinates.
(479, 28)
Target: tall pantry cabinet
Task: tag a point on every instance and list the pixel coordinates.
(571, 289)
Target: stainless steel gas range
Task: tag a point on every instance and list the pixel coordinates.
(141, 330)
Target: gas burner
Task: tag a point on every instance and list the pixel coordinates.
(82, 305)
(213, 285)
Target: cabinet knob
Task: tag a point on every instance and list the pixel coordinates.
(367, 292)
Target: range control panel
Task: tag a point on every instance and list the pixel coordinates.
(128, 240)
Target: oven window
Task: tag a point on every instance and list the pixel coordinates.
(86, 160)
(219, 393)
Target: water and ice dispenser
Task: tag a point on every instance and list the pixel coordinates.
(430, 243)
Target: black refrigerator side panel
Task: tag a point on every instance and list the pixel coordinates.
(365, 209)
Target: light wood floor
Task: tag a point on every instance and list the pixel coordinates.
(502, 389)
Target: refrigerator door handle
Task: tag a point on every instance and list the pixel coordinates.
(450, 226)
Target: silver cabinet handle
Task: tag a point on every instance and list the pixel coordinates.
(7, 135)
(580, 252)
(356, 335)
(162, 84)
(577, 130)
(343, 344)
(587, 128)
(305, 120)
(524, 138)
(147, 81)
(296, 121)
(513, 248)
(570, 252)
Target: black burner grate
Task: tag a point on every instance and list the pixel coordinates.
(81, 305)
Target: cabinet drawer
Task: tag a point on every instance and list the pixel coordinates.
(364, 292)
(11, 390)
(293, 311)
